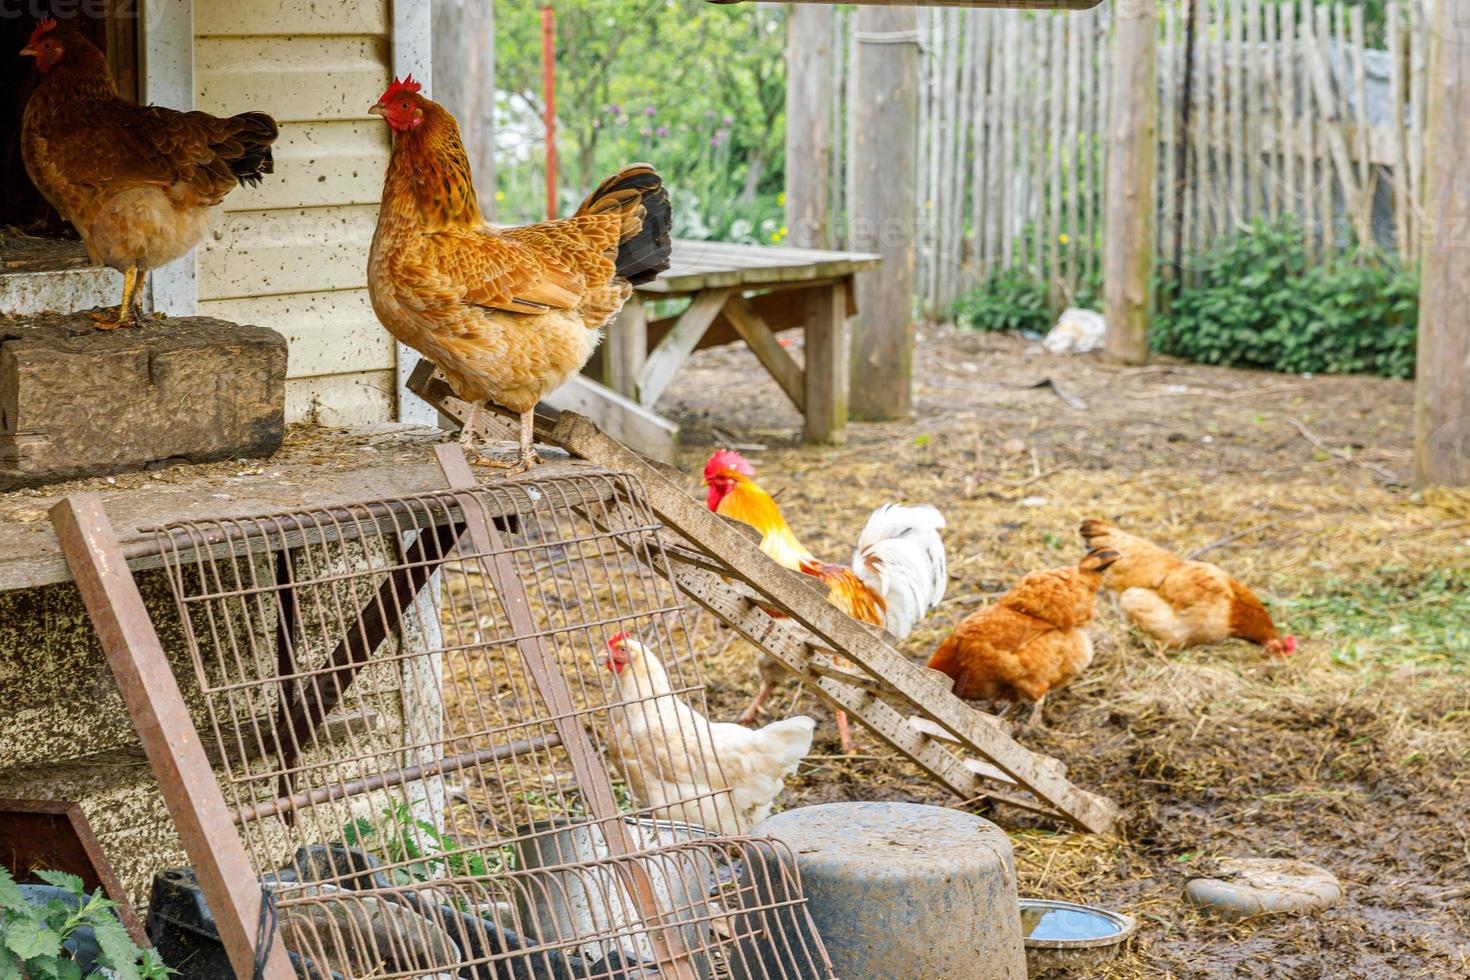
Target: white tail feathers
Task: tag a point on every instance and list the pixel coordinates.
(787, 742)
(758, 769)
(901, 557)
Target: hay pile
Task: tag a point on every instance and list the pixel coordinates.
(1352, 754)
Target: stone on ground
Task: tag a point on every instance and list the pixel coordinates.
(1243, 887)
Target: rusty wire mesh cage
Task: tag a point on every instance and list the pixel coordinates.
(432, 767)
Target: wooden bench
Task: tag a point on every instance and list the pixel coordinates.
(744, 293)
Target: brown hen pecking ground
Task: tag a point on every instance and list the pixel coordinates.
(1354, 753)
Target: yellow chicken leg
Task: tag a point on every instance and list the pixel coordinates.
(104, 320)
(139, 291)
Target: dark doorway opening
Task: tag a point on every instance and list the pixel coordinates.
(25, 216)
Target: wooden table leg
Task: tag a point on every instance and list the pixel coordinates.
(826, 363)
(626, 348)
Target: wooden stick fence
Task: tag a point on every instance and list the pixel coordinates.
(1292, 113)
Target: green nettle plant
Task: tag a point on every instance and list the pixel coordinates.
(33, 937)
(423, 852)
(1256, 303)
(1011, 299)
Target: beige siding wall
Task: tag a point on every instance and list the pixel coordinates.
(292, 253)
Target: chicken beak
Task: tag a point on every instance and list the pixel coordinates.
(378, 110)
(29, 52)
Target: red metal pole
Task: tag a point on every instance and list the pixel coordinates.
(548, 86)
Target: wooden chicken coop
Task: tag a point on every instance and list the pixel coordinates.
(66, 735)
(290, 254)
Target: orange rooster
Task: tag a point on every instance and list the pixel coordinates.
(897, 575)
(141, 184)
(1032, 641)
(1182, 602)
(506, 314)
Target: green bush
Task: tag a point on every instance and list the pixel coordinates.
(1011, 299)
(1255, 303)
(32, 937)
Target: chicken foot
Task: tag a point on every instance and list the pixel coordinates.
(844, 732)
(752, 711)
(528, 444)
(527, 456)
(126, 314)
(469, 432)
(1035, 720)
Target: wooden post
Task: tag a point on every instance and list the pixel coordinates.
(809, 34)
(1442, 404)
(154, 702)
(464, 50)
(1128, 244)
(882, 213)
(626, 348)
(826, 369)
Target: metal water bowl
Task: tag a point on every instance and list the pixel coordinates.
(1067, 935)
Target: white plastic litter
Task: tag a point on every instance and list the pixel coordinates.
(1077, 332)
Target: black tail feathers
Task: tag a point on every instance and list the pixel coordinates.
(643, 251)
(255, 132)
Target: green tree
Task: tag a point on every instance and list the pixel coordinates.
(694, 88)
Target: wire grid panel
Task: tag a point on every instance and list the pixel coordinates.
(409, 705)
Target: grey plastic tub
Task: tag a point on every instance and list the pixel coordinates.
(563, 905)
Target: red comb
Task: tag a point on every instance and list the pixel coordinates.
(727, 460)
(618, 640)
(44, 27)
(407, 86)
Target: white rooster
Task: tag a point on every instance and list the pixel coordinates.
(897, 575)
(685, 767)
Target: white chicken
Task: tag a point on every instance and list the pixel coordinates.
(685, 767)
(900, 556)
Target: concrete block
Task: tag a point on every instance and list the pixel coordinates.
(76, 401)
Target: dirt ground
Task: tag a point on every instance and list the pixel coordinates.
(1351, 754)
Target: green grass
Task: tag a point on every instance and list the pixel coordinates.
(1400, 616)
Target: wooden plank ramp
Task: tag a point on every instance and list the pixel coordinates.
(716, 565)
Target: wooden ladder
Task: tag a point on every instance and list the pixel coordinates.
(718, 564)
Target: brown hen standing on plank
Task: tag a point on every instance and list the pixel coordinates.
(1181, 602)
(1033, 640)
(506, 314)
(141, 184)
